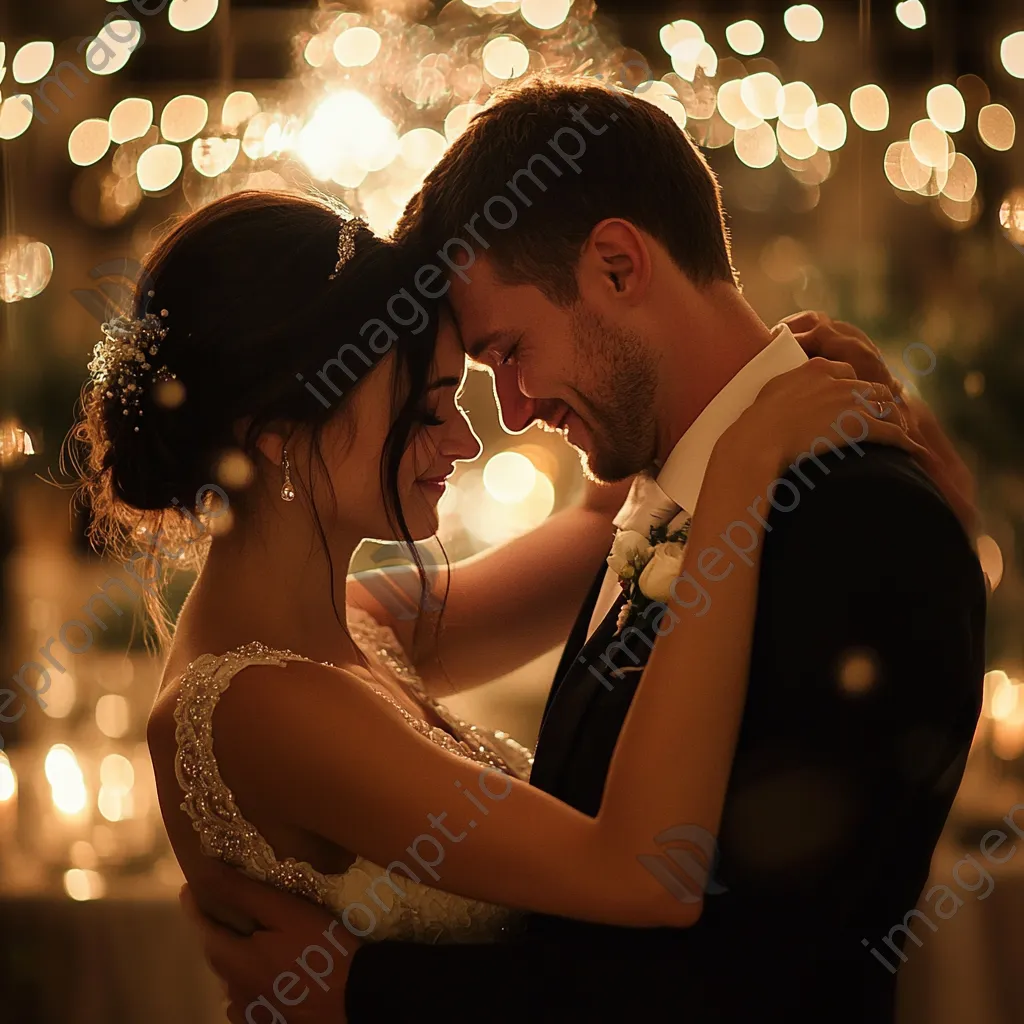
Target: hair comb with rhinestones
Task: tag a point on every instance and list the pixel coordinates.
(350, 227)
(122, 362)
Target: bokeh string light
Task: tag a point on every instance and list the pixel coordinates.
(368, 80)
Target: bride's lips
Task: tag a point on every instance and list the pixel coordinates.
(434, 485)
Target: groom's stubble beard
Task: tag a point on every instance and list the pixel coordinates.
(616, 384)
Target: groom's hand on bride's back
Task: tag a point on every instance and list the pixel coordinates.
(291, 969)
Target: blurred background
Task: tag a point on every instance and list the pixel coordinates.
(868, 158)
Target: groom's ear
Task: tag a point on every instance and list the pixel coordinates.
(616, 261)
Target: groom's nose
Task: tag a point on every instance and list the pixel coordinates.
(517, 409)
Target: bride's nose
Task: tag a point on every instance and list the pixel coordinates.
(462, 444)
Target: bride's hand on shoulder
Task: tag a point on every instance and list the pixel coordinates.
(821, 399)
(820, 335)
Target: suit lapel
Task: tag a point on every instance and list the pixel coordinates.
(590, 673)
(577, 638)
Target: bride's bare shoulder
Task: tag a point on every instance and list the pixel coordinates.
(241, 696)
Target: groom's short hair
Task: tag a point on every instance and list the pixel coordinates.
(539, 167)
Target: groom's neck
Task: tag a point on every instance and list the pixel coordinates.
(722, 334)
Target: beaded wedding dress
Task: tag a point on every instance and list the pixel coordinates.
(422, 913)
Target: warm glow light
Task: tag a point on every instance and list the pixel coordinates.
(756, 146)
(89, 141)
(903, 169)
(347, 131)
(83, 855)
(67, 785)
(32, 61)
(869, 108)
(745, 37)
(15, 115)
(190, 15)
(183, 118)
(1011, 53)
(993, 683)
(117, 772)
(8, 780)
(80, 884)
(509, 477)
(356, 47)
(422, 148)
(458, 118)
(796, 142)
(214, 156)
(130, 119)
(238, 107)
(26, 266)
(1011, 215)
(691, 54)
(893, 165)
(114, 804)
(669, 103)
(1006, 695)
(762, 95)
(112, 716)
(317, 50)
(677, 32)
(494, 521)
(733, 109)
(265, 135)
(698, 100)
(506, 57)
(989, 555)
(15, 444)
(961, 215)
(911, 13)
(946, 107)
(804, 23)
(797, 103)
(931, 145)
(158, 167)
(826, 125)
(110, 50)
(995, 126)
(545, 14)
(960, 186)
(61, 696)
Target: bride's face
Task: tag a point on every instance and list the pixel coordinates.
(441, 437)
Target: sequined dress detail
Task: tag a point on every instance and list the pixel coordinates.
(421, 913)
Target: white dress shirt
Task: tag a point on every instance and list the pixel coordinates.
(682, 473)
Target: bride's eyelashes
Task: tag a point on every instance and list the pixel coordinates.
(429, 418)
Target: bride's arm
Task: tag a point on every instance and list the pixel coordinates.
(503, 607)
(328, 755)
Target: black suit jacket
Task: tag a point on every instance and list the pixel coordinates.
(864, 692)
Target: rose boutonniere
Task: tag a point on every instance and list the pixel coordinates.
(648, 566)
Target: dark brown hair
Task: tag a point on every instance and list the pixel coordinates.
(635, 163)
(249, 309)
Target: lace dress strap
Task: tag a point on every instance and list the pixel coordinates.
(223, 830)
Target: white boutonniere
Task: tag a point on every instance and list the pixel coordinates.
(648, 566)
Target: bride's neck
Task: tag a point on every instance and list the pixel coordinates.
(273, 585)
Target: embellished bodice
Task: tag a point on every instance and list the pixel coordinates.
(400, 908)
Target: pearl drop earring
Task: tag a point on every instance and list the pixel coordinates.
(287, 491)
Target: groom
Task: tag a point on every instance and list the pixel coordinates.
(589, 268)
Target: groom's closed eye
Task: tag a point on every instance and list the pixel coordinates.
(496, 344)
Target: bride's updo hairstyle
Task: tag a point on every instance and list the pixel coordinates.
(243, 288)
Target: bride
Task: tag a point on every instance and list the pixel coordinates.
(297, 734)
